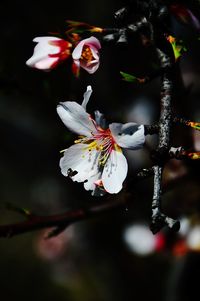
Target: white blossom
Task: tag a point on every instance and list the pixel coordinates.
(96, 158)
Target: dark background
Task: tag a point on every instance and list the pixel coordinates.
(89, 261)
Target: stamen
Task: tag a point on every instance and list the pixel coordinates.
(101, 141)
(86, 54)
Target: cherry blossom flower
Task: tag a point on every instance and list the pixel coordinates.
(49, 52)
(86, 54)
(96, 158)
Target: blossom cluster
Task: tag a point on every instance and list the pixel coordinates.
(51, 51)
(96, 157)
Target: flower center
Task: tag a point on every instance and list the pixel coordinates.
(101, 141)
(87, 55)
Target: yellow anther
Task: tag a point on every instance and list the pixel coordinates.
(96, 29)
(78, 141)
(103, 158)
(117, 148)
(92, 145)
(87, 54)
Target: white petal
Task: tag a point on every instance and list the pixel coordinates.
(86, 96)
(76, 118)
(45, 39)
(80, 161)
(90, 184)
(114, 172)
(129, 135)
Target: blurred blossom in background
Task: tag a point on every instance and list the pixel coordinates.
(141, 241)
(114, 257)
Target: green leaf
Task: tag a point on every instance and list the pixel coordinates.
(177, 46)
(128, 77)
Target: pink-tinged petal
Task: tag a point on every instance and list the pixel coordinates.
(76, 118)
(86, 96)
(44, 47)
(40, 58)
(48, 52)
(114, 172)
(79, 163)
(91, 68)
(93, 42)
(86, 53)
(46, 64)
(76, 54)
(95, 53)
(129, 135)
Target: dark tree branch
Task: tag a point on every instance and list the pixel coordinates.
(120, 35)
(60, 221)
(151, 129)
(159, 220)
(181, 120)
(166, 92)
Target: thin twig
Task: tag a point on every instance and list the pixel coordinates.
(180, 153)
(60, 221)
